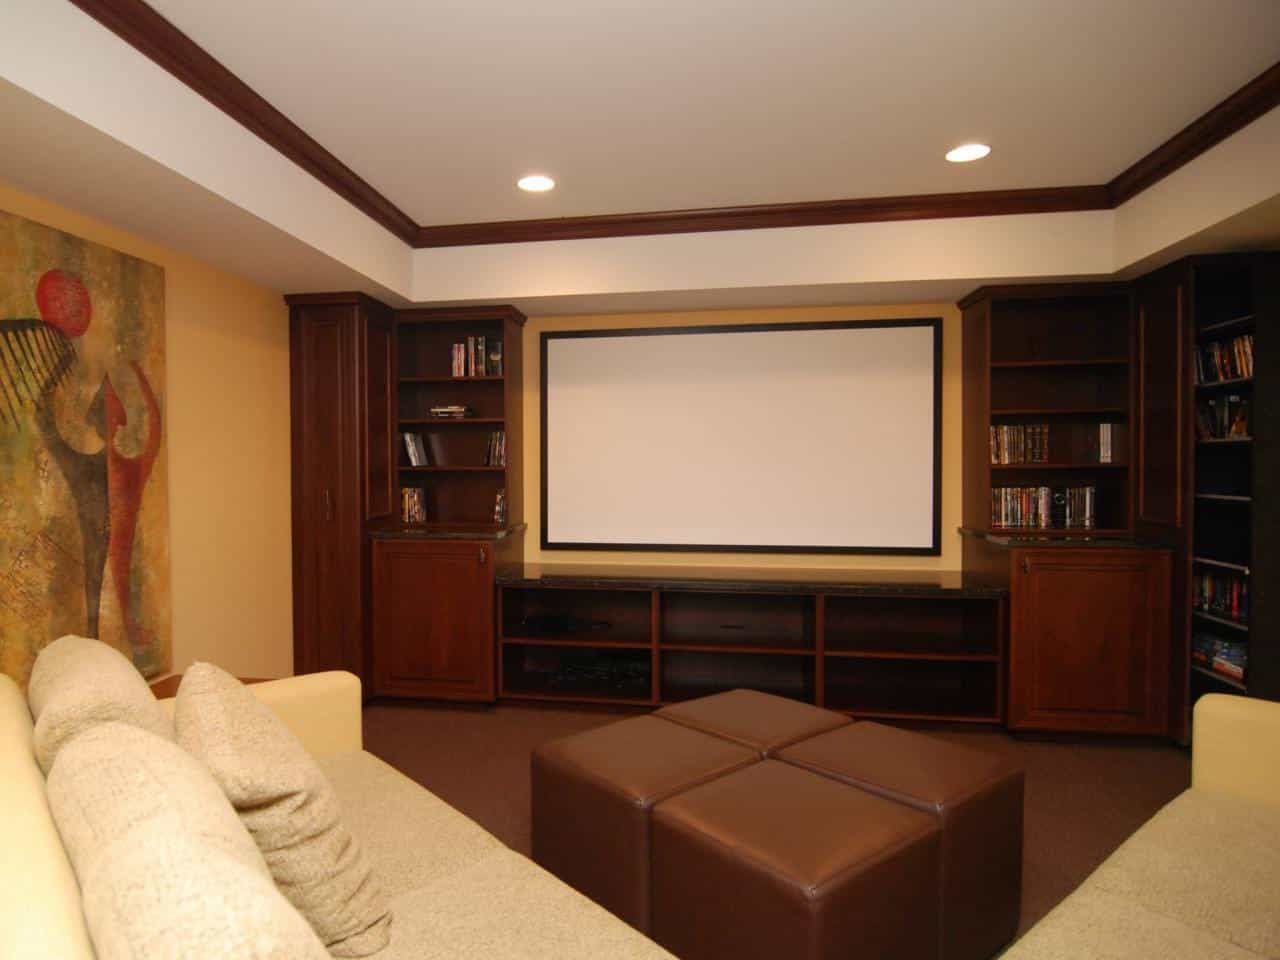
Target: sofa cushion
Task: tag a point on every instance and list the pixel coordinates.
(1209, 860)
(166, 869)
(76, 683)
(412, 837)
(506, 907)
(289, 807)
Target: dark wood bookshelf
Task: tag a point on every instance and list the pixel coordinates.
(1231, 682)
(1080, 465)
(450, 421)
(1223, 384)
(454, 380)
(1102, 362)
(890, 645)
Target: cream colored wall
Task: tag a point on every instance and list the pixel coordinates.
(950, 557)
(227, 429)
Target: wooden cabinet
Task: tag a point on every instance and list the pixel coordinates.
(341, 350)
(1089, 648)
(433, 631)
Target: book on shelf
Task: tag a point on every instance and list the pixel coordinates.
(495, 454)
(1225, 360)
(413, 507)
(449, 411)
(414, 449)
(1226, 656)
(1223, 595)
(1020, 443)
(1044, 508)
(477, 357)
(1222, 418)
(500, 507)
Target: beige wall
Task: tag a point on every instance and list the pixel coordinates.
(950, 558)
(227, 429)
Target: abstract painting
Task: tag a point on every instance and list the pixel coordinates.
(84, 509)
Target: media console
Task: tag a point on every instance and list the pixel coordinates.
(887, 644)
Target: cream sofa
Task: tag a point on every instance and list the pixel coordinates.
(457, 892)
(1201, 879)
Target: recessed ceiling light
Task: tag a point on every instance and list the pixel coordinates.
(968, 151)
(536, 183)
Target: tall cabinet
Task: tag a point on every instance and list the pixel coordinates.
(1049, 395)
(1209, 465)
(341, 348)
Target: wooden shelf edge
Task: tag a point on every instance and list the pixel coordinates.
(1221, 678)
(575, 642)
(991, 658)
(1031, 465)
(735, 649)
(1223, 621)
(1031, 364)
(905, 715)
(575, 698)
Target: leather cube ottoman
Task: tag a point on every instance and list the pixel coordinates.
(592, 794)
(976, 800)
(760, 721)
(773, 861)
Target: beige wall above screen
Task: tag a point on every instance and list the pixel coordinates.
(781, 437)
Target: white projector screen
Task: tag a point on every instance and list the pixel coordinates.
(793, 437)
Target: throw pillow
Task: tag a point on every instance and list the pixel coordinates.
(166, 869)
(289, 807)
(76, 683)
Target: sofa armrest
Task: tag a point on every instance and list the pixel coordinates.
(322, 709)
(1235, 747)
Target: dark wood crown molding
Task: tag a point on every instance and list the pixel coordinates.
(866, 210)
(156, 38)
(1257, 97)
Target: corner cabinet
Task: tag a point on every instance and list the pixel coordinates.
(1089, 648)
(341, 348)
(433, 620)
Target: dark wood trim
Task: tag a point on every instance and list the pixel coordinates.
(933, 550)
(466, 314)
(1044, 291)
(159, 40)
(935, 206)
(1257, 97)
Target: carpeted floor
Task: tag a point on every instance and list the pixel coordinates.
(1083, 796)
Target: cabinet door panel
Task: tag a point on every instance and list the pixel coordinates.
(1090, 641)
(379, 417)
(327, 597)
(433, 619)
(1162, 442)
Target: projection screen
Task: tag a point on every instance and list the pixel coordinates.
(821, 437)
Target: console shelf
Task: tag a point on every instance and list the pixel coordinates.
(903, 646)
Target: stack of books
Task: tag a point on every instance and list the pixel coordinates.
(1230, 658)
(478, 357)
(450, 411)
(413, 507)
(1225, 360)
(1020, 443)
(414, 449)
(500, 507)
(495, 453)
(1222, 418)
(1224, 595)
(1044, 508)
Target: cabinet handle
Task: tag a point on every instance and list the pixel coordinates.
(328, 504)
(483, 556)
(1026, 565)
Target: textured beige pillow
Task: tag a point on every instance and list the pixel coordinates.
(76, 683)
(166, 869)
(288, 806)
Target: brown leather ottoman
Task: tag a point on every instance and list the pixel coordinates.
(592, 796)
(773, 862)
(976, 800)
(757, 720)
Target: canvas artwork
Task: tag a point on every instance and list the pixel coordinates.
(84, 511)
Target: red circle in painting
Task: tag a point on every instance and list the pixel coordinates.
(64, 302)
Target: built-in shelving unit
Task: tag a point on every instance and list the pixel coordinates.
(1048, 400)
(458, 486)
(895, 646)
(1233, 312)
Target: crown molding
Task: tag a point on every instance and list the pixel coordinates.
(160, 41)
(156, 38)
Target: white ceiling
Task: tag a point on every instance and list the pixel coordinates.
(640, 105)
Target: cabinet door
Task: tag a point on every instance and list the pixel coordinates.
(1089, 647)
(327, 590)
(433, 619)
(1160, 302)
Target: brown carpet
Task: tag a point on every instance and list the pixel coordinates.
(1083, 796)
